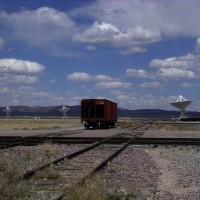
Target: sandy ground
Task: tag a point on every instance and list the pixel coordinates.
(172, 134)
(179, 172)
(81, 132)
(26, 133)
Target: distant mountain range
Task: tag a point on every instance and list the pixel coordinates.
(53, 111)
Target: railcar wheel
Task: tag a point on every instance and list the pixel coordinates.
(87, 125)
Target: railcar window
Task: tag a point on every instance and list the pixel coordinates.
(99, 111)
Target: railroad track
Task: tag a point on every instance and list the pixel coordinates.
(56, 137)
(138, 141)
(109, 141)
(12, 141)
(74, 168)
(8, 142)
(166, 141)
(77, 168)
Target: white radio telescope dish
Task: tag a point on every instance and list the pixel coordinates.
(7, 110)
(181, 103)
(64, 110)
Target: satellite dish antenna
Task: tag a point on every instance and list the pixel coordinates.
(7, 110)
(64, 110)
(181, 103)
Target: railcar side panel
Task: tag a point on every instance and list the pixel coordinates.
(98, 112)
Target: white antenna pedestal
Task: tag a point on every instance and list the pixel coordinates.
(181, 103)
(64, 110)
(7, 111)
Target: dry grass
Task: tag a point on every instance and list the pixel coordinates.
(92, 189)
(49, 150)
(167, 127)
(176, 127)
(48, 173)
(95, 188)
(129, 123)
(37, 124)
(10, 188)
(29, 154)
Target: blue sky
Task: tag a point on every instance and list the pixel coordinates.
(138, 53)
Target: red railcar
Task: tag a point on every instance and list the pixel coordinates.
(98, 113)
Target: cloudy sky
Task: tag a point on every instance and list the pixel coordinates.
(138, 53)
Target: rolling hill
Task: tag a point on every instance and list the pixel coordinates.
(74, 111)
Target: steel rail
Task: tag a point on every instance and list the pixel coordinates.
(167, 141)
(98, 167)
(110, 158)
(12, 141)
(137, 141)
(104, 162)
(31, 173)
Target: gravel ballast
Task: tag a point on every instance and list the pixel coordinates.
(179, 172)
(162, 173)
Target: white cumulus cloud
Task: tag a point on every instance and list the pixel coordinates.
(151, 85)
(24, 79)
(186, 66)
(82, 76)
(108, 34)
(184, 62)
(79, 76)
(176, 73)
(112, 85)
(140, 73)
(20, 66)
(170, 18)
(133, 50)
(103, 78)
(189, 85)
(10, 78)
(44, 27)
